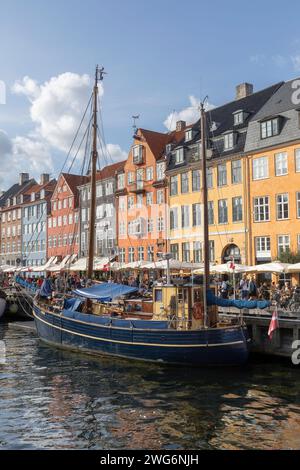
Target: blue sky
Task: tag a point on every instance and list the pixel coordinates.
(157, 54)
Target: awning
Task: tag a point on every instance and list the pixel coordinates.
(275, 267)
(105, 292)
(66, 264)
(45, 267)
(293, 268)
(174, 265)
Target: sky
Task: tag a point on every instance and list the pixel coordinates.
(161, 58)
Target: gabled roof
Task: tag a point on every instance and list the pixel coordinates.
(73, 181)
(110, 170)
(280, 102)
(16, 190)
(157, 141)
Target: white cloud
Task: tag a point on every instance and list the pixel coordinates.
(116, 153)
(56, 109)
(190, 114)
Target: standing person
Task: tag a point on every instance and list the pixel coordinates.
(224, 289)
(244, 287)
(252, 288)
(46, 289)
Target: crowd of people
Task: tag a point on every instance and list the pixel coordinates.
(249, 289)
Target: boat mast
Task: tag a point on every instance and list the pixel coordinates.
(205, 212)
(94, 158)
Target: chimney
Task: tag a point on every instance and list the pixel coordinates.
(180, 125)
(45, 178)
(243, 90)
(23, 178)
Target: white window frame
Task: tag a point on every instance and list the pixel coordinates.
(260, 168)
(281, 164)
(281, 201)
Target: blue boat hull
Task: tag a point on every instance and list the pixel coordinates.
(211, 347)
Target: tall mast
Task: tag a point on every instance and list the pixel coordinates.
(94, 158)
(205, 212)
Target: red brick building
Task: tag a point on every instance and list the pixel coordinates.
(63, 221)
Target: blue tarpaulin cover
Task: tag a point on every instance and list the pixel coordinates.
(250, 304)
(105, 292)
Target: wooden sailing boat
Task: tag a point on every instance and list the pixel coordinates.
(184, 328)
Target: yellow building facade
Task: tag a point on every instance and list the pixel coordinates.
(228, 212)
(274, 198)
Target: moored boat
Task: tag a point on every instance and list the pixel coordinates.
(184, 328)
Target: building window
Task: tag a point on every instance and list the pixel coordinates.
(222, 175)
(149, 199)
(211, 217)
(238, 118)
(150, 253)
(223, 211)
(212, 251)
(261, 209)
(297, 160)
(179, 156)
(160, 224)
(298, 205)
(236, 171)
(228, 141)
(137, 154)
(188, 135)
(283, 244)
(150, 225)
(174, 218)
(281, 164)
(174, 185)
(184, 183)
(186, 256)
(282, 202)
(175, 251)
(160, 196)
(160, 171)
(196, 180)
(269, 128)
(263, 247)
(260, 168)
(209, 177)
(185, 216)
(130, 202)
(130, 177)
(197, 252)
(139, 200)
(237, 209)
(149, 173)
(122, 255)
(298, 243)
(141, 253)
(130, 255)
(196, 215)
(121, 183)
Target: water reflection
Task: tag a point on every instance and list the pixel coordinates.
(55, 399)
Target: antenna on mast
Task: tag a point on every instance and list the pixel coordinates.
(135, 119)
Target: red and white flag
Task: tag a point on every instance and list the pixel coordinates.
(273, 325)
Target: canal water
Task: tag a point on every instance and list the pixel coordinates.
(51, 399)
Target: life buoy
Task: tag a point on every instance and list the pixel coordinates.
(198, 312)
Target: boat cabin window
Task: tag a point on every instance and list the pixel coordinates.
(158, 295)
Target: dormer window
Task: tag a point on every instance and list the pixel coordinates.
(42, 195)
(32, 197)
(14, 201)
(269, 128)
(168, 148)
(137, 154)
(179, 156)
(238, 118)
(188, 135)
(228, 141)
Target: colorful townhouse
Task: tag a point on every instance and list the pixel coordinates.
(273, 160)
(142, 211)
(34, 222)
(11, 203)
(106, 216)
(63, 220)
(227, 180)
